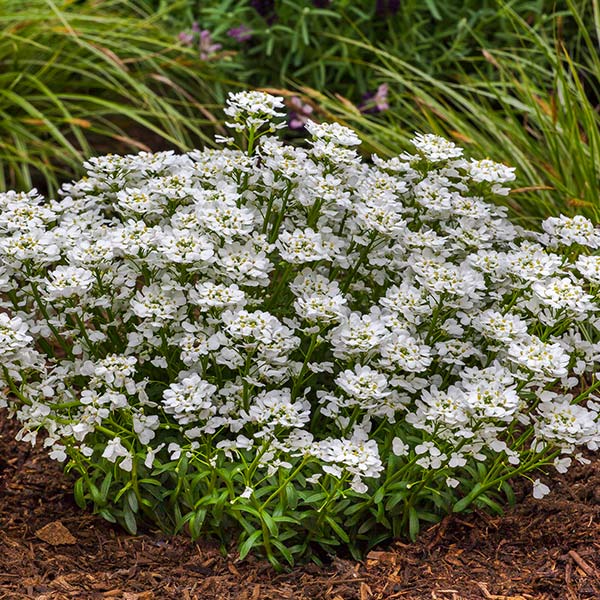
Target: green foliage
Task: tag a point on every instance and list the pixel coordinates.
(312, 41)
(97, 76)
(285, 518)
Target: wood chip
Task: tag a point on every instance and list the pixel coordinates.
(138, 595)
(365, 592)
(587, 569)
(55, 534)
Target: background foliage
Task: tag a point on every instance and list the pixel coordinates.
(312, 40)
(91, 77)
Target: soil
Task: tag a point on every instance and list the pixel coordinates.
(51, 550)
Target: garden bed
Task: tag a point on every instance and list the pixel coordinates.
(542, 549)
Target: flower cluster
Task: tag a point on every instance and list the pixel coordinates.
(295, 339)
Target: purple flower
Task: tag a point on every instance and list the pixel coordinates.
(240, 34)
(375, 102)
(206, 46)
(299, 114)
(186, 38)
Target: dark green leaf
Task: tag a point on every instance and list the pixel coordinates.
(248, 543)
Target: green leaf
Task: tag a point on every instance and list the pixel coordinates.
(428, 516)
(379, 495)
(248, 543)
(248, 509)
(284, 552)
(509, 492)
(367, 525)
(129, 520)
(195, 523)
(291, 495)
(122, 491)
(95, 493)
(396, 499)
(433, 9)
(149, 481)
(132, 500)
(466, 501)
(413, 524)
(270, 523)
(107, 515)
(313, 497)
(105, 487)
(338, 529)
(79, 493)
(286, 519)
(485, 499)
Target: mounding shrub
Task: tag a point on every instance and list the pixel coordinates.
(295, 349)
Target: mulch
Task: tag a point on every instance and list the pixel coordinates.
(51, 550)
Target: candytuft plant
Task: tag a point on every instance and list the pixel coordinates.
(292, 348)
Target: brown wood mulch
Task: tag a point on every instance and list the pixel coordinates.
(50, 550)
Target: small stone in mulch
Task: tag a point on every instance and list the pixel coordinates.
(55, 534)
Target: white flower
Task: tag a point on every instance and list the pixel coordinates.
(490, 400)
(492, 172)
(190, 400)
(436, 148)
(186, 247)
(209, 295)
(58, 453)
(321, 308)
(292, 311)
(302, 246)
(359, 456)
(332, 132)
(145, 426)
(244, 264)
(357, 334)
(276, 408)
(67, 281)
(546, 359)
(563, 294)
(248, 491)
(531, 263)
(252, 108)
(114, 450)
(589, 267)
(399, 448)
(136, 201)
(504, 328)
(13, 335)
(114, 369)
(572, 230)
(540, 489)
(158, 303)
(405, 352)
(567, 424)
(363, 383)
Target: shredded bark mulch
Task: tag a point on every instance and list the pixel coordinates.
(50, 550)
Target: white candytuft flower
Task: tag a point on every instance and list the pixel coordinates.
(274, 335)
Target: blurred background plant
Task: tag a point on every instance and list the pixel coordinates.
(93, 77)
(281, 41)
